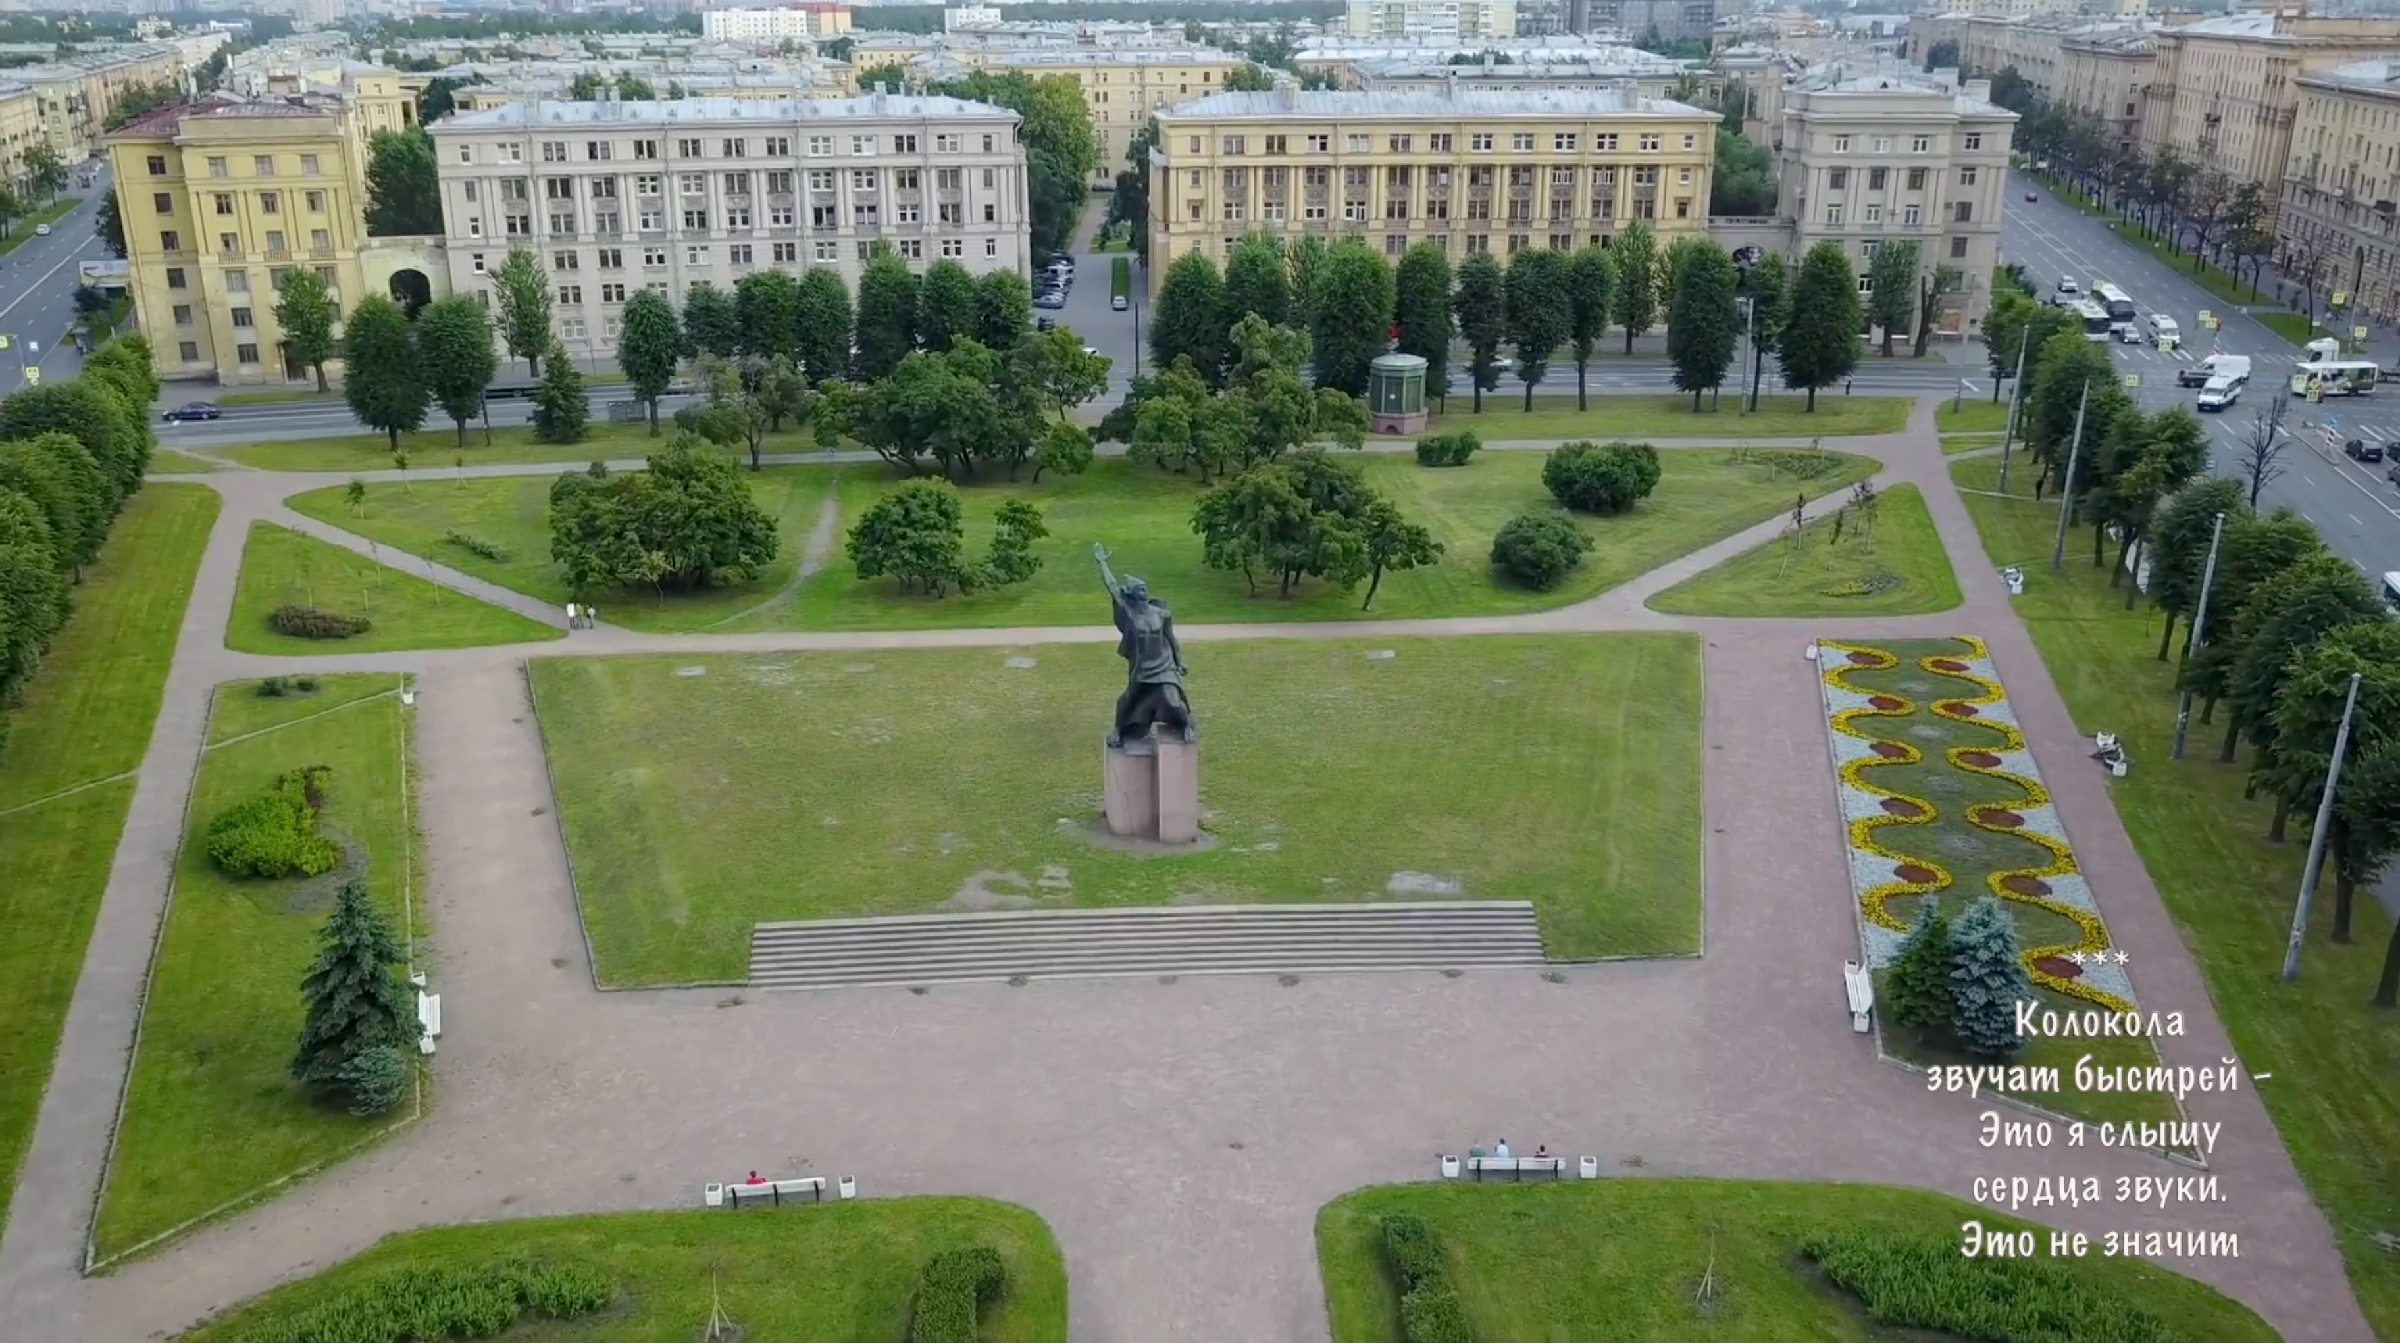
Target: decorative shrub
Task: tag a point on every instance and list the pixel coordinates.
(1987, 977)
(1409, 1249)
(375, 1079)
(442, 1302)
(1922, 1282)
(315, 622)
(276, 687)
(1917, 987)
(1448, 449)
(271, 688)
(1429, 1307)
(1432, 1314)
(1539, 549)
(476, 545)
(275, 833)
(955, 1285)
(1590, 478)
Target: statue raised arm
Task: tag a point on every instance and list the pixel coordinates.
(1154, 667)
(1108, 576)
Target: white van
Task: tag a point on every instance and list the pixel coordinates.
(2164, 330)
(2391, 590)
(2221, 391)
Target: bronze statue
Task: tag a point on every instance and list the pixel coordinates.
(1154, 669)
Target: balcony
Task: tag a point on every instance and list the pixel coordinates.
(320, 254)
(279, 254)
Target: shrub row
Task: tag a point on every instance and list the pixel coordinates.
(1448, 449)
(1539, 549)
(955, 1285)
(275, 833)
(477, 545)
(1429, 1307)
(427, 1304)
(1922, 1282)
(315, 622)
(276, 687)
(1592, 478)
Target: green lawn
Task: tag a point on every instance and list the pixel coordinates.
(840, 1271)
(514, 512)
(1972, 416)
(1953, 444)
(1560, 770)
(2290, 325)
(2211, 277)
(168, 462)
(1669, 416)
(434, 450)
(22, 226)
(1896, 566)
(2334, 1097)
(1144, 517)
(1622, 1259)
(211, 1115)
(282, 567)
(85, 716)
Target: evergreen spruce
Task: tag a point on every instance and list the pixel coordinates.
(559, 408)
(356, 1004)
(1987, 978)
(1917, 987)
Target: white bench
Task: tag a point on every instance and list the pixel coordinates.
(1517, 1167)
(429, 1016)
(1860, 986)
(733, 1194)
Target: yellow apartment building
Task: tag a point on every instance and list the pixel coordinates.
(20, 129)
(224, 195)
(1469, 170)
(1122, 86)
(2224, 92)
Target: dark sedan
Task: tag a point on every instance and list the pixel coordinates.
(196, 410)
(2360, 450)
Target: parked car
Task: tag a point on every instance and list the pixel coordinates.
(41, 230)
(1116, 303)
(2360, 450)
(195, 410)
(1050, 298)
(2032, 196)
(2067, 286)
(1045, 324)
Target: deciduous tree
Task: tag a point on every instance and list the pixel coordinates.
(1353, 315)
(710, 324)
(1538, 317)
(1392, 542)
(383, 378)
(1421, 309)
(521, 296)
(560, 409)
(1188, 321)
(821, 324)
(1702, 321)
(1637, 286)
(304, 309)
(1003, 309)
(687, 522)
(454, 341)
(404, 194)
(648, 348)
(946, 305)
(887, 314)
(1818, 346)
(1482, 308)
(1892, 278)
(1257, 282)
(2307, 719)
(766, 309)
(1591, 292)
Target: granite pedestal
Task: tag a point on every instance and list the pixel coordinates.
(1152, 790)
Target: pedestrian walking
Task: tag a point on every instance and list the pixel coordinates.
(572, 616)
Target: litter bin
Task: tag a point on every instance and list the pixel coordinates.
(1588, 1168)
(1449, 1166)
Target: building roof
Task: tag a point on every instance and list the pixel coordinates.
(1904, 84)
(1597, 63)
(168, 119)
(1334, 103)
(668, 112)
(2231, 25)
(2376, 76)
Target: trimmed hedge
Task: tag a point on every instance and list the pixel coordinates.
(955, 1286)
(1923, 1282)
(477, 545)
(1590, 478)
(315, 622)
(1539, 549)
(1429, 1307)
(1448, 449)
(423, 1305)
(275, 833)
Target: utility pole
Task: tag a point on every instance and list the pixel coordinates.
(2191, 645)
(1758, 357)
(2316, 840)
(2066, 494)
(2016, 398)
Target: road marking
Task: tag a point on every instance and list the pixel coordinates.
(74, 254)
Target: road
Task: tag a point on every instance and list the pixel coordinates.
(2350, 502)
(37, 290)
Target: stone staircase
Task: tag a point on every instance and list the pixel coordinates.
(1176, 940)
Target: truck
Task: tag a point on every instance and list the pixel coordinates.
(2214, 366)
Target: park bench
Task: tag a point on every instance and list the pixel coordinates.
(805, 1189)
(429, 1016)
(1517, 1167)
(1860, 987)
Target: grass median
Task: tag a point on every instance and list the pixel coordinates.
(83, 723)
(2335, 1097)
(281, 567)
(1504, 415)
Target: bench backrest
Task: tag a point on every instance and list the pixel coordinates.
(1519, 1163)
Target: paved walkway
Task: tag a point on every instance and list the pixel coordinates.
(1177, 1137)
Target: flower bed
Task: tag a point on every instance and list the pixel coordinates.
(1906, 842)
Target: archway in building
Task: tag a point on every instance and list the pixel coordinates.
(411, 290)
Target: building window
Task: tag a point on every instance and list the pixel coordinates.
(695, 254)
(1916, 179)
(1649, 144)
(862, 146)
(942, 144)
(1875, 178)
(466, 153)
(563, 261)
(787, 253)
(190, 350)
(1958, 247)
(1974, 139)
(695, 219)
(270, 203)
(475, 262)
(1522, 141)
(571, 329)
(158, 165)
(611, 258)
(222, 202)
(262, 165)
(1833, 214)
(954, 247)
(1964, 211)
(1912, 215)
(820, 146)
(991, 247)
(1564, 141)
(1232, 144)
(175, 277)
(1872, 215)
(316, 202)
(739, 253)
(735, 147)
(1320, 144)
(163, 203)
(687, 149)
(1841, 144)
(554, 151)
(1922, 144)
(648, 149)
(825, 251)
(1883, 144)
(245, 354)
(1837, 179)
(1683, 207)
(183, 314)
(1966, 177)
(597, 151)
(654, 256)
(913, 248)
(242, 318)
(612, 293)
(1606, 144)
(1689, 141)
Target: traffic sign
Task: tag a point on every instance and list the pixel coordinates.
(2358, 333)
(33, 375)
(2340, 299)
(2131, 380)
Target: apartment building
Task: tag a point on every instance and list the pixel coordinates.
(2223, 93)
(221, 197)
(2341, 195)
(1471, 171)
(1675, 20)
(2106, 72)
(1345, 59)
(798, 23)
(619, 196)
(1648, 74)
(1122, 86)
(72, 97)
(1435, 20)
(1867, 160)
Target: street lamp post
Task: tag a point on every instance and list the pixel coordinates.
(2016, 398)
(2316, 840)
(2066, 494)
(2208, 580)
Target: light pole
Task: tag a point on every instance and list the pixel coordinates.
(2316, 840)
(2016, 398)
(1750, 335)
(2066, 494)
(2208, 580)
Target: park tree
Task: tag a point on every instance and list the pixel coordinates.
(1064, 448)
(2259, 453)
(1482, 308)
(821, 324)
(688, 522)
(1768, 285)
(766, 311)
(2256, 548)
(710, 324)
(1892, 295)
(915, 533)
(1987, 979)
(1052, 368)
(2178, 549)
(45, 172)
(94, 413)
(57, 476)
(1249, 77)
(560, 410)
(359, 1018)
(1257, 283)
(304, 309)
(946, 305)
(887, 314)
(743, 401)
(1932, 287)
(1188, 321)
(2283, 617)
(1636, 293)
(1703, 319)
(1818, 345)
(649, 346)
(2016, 318)
(1352, 311)
(521, 293)
(1538, 319)
(1306, 259)
(404, 194)
(1003, 309)
(1392, 542)
(943, 407)
(454, 345)
(1421, 309)
(1062, 150)
(2307, 719)
(1591, 292)
(33, 591)
(2064, 366)
(383, 379)
(1595, 478)
(1917, 987)
(108, 223)
(1264, 521)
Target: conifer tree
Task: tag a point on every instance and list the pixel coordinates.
(1917, 987)
(359, 1013)
(559, 408)
(1987, 978)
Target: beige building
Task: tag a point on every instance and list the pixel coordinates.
(72, 97)
(2223, 92)
(2106, 72)
(1122, 86)
(1431, 20)
(615, 197)
(1651, 76)
(1870, 160)
(796, 23)
(1468, 171)
(223, 196)
(2341, 196)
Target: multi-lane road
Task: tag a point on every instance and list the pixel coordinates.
(37, 289)
(2351, 503)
